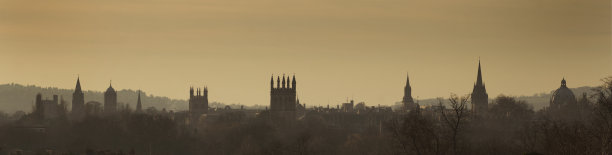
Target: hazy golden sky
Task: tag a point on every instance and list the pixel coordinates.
(336, 48)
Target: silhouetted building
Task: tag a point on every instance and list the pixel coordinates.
(78, 101)
(283, 101)
(563, 103)
(198, 103)
(348, 106)
(47, 109)
(562, 96)
(408, 101)
(93, 108)
(110, 100)
(138, 103)
(480, 98)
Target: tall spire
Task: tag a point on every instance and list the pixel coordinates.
(138, 103)
(407, 80)
(408, 92)
(78, 85)
(479, 78)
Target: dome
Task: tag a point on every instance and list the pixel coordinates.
(563, 96)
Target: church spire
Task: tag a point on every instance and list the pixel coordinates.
(78, 85)
(407, 80)
(408, 91)
(479, 78)
(138, 103)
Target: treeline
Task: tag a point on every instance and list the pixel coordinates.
(511, 126)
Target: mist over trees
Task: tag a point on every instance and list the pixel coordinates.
(16, 97)
(510, 126)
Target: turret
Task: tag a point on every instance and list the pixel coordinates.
(205, 91)
(190, 92)
(283, 84)
(278, 82)
(293, 82)
(288, 81)
(272, 82)
(563, 83)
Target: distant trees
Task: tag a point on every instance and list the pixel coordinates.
(508, 108)
(602, 117)
(510, 127)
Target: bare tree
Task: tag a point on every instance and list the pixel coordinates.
(455, 116)
(603, 116)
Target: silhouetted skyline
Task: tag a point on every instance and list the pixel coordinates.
(339, 49)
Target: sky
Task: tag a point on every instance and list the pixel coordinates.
(337, 49)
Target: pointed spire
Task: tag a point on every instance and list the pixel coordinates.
(272, 81)
(277, 81)
(283, 84)
(78, 85)
(479, 78)
(293, 83)
(288, 81)
(138, 103)
(407, 80)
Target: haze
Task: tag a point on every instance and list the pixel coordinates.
(338, 49)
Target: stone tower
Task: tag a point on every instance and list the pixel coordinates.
(283, 101)
(198, 103)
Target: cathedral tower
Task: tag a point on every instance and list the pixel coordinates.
(480, 98)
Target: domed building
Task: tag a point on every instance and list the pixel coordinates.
(562, 97)
(110, 100)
